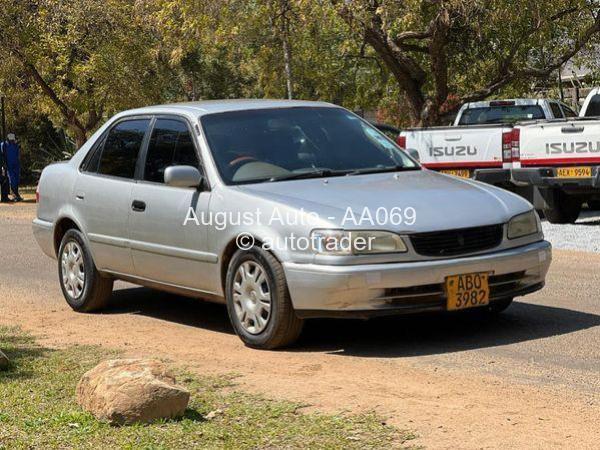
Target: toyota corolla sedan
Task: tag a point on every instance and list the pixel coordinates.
(284, 211)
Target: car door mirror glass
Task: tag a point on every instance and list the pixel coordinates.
(183, 176)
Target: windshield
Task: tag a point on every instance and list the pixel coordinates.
(301, 142)
(501, 114)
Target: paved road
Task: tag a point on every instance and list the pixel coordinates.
(518, 374)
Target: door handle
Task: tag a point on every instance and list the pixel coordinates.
(80, 196)
(572, 129)
(138, 206)
(453, 137)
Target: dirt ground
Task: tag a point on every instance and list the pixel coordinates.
(527, 379)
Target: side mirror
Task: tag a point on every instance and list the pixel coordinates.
(414, 153)
(183, 176)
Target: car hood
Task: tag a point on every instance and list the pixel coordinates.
(440, 201)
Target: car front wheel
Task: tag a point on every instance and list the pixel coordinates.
(258, 301)
(84, 288)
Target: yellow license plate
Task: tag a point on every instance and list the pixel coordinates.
(462, 173)
(574, 172)
(467, 291)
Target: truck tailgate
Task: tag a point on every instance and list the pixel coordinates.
(556, 143)
(458, 146)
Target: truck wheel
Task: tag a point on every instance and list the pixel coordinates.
(594, 205)
(82, 285)
(566, 209)
(258, 301)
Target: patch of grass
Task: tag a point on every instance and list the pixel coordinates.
(38, 410)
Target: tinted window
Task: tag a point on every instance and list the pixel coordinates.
(170, 145)
(568, 111)
(556, 112)
(122, 147)
(258, 145)
(593, 108)
(501, 114)
(92, 159)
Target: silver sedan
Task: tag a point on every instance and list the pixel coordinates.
(284, 211)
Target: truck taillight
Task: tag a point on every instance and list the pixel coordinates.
(507, 146)
(401, 141)
(37, 194)
(511, 146)
(516, 145)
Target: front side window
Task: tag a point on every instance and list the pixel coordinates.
(556, 112)
(171, 144)
(121, 149)
(593, 108)
(501, 114)
(284, 143)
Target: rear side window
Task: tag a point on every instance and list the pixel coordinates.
(556, 111)
(121, 149)
(501, 114)
(171, 144)
(92, 159)
(593, 108)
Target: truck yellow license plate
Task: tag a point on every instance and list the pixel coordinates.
(467, 291)
(574, 172)
(462, 173)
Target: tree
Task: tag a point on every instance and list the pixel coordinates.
(82, 58)
(443, 53)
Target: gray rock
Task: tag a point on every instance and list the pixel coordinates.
(126, 391)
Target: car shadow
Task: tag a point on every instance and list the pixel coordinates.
(400, 336)
(421, 335)
(170, 307)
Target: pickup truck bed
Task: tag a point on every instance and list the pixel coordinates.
(561, 160)
(473, 151)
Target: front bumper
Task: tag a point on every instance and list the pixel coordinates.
(383, 289)
(493, 176)
(545, 177)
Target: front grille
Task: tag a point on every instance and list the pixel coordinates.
(457, 242)
(434, 295)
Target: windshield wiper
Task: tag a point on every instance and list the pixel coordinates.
(302, 175)
(382, 170)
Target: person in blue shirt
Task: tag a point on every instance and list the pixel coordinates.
(11, 151)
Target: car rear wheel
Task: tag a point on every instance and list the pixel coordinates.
(83, 287)
(258, 301)
(566, 209)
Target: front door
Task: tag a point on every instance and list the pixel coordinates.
(163, 249)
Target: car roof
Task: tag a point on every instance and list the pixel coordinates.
(202, 108)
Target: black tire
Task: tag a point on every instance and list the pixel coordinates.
(594, 205)
(500, 305)
(97, 289)
(283, 327)
(566, 209)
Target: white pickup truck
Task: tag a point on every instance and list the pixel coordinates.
(473, 147)
(561, 160)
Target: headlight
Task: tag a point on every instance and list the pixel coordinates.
(523, 225)
(342, 242)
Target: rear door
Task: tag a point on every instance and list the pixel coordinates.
(163, 248)
(103, 191)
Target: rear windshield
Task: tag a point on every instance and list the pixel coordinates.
(501, 114)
